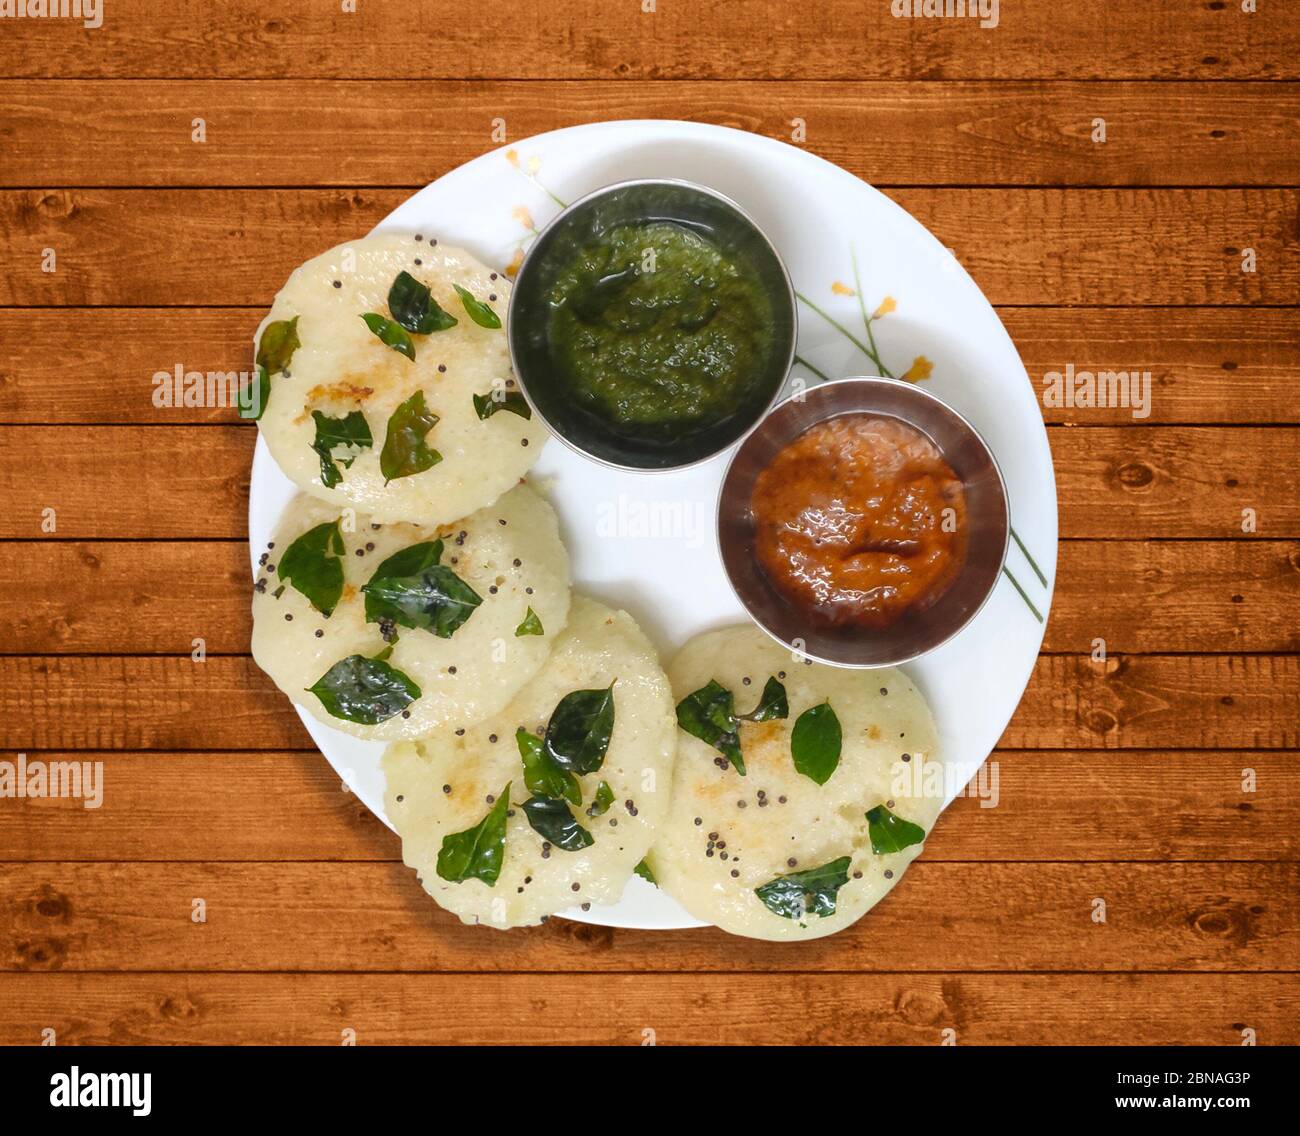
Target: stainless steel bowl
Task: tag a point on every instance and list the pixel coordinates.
(917, 631)
(630, 202)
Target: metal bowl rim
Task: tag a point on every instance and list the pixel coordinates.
(865, 381)
(708, 191)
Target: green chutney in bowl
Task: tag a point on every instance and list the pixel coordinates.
(652, 324)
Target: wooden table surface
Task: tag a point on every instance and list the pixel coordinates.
(1126, 781)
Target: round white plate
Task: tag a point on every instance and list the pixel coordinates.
(646, 542)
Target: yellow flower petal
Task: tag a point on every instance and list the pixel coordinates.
(521, 214)
(534, 164)
(512, 269)
(887, 305)
(513, 158)
(921, 368)
(842, 289)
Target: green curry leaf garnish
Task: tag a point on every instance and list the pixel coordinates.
(414, 307)
(391, 334)
(578, 733)
(709, 714)
(278, 343)
(772, 703)
(601, 801)
(530, 625)
(366, 691)
(253, 398)
(405, 451)
(815, 743)
(350, 433)
(891, 833)
(413, 590)
(541, 775)
(811, 892)
(311, 565)
(477, 853)
(486, 405)
(554, 822)
(478, 311)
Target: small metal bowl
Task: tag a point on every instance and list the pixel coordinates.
(916, 631)
(631, 202)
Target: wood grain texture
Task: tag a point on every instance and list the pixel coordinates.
(1163, 780)
(136, 133)
(1159, 701)
(593, 39)
(1129, 702)
(185, 482)
(1208, 365)
(1023, 246)
(122, 597)
(286, 917)
(1084, 805)
(915, 1009)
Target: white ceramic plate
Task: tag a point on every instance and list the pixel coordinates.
(646, 542)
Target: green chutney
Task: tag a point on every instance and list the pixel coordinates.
(657, 330)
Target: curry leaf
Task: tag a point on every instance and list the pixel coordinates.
(278, 343)
(772, 703)
(815, 743)
(531, 625)
(367, 691)
(414, 307)
(553, 821)
(541, 775)
(578, 733)
(352, 432)
(412, 589)
(312, 566)
(709, 714)
(486, 405)
(811, 892)
(643, 870)
(601, 801)
(478, 311)
(391, 334)
(891, 833)
(477, 853)
(405, 451)
(254, 397)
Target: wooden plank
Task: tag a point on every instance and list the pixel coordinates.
(1046, 806)
(1177, 482)
(1160, 701)
(120, 597)
(143, 703)
(1208, 365)
(134, 133)
(390, 1009)
(138, 482)
(834, 39)
(273, 805)
(1130, 702)
(1177, 596)
(1023, 246)
(1098, 246)
(285, 917)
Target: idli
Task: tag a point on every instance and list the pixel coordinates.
(553, 802)
(799, 794)
(387, 381)
(388, 631)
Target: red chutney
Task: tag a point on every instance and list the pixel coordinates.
(850, 521)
